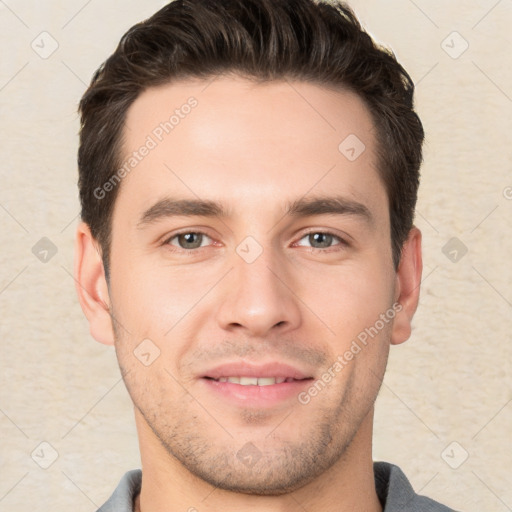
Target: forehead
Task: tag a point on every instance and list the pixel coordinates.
(230, 138)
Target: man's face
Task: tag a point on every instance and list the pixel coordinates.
(255, 287)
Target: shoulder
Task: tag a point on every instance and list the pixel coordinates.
(396, 493)
(124, 494)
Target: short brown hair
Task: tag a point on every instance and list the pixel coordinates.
(318, 41)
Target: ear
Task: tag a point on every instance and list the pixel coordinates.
(91, 285)
(408, 280)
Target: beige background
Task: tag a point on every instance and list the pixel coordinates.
(451, 382)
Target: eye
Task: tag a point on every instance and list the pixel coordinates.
(318, 240)
(188, 240)
(321, 240)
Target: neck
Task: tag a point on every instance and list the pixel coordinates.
(346, 486)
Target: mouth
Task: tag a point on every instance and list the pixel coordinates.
(263, 393)
(257, 381)
(246, 372)
(244, 384)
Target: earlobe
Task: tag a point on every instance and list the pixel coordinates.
(91, 286)
(408, 280)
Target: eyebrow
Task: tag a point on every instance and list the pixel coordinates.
(304, 207)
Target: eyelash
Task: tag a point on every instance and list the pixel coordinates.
(341, 245)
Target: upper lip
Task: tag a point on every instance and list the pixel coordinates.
(246, 369)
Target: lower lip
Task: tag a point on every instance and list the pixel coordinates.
(257, 396)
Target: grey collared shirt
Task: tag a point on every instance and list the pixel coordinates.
(393, 489)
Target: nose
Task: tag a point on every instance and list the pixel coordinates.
(258, 297)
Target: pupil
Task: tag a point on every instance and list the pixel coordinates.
(323, 239)
(189, 240)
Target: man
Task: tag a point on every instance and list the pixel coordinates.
(248, 178)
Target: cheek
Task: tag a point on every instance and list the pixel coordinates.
(352, 299)
(150, 300)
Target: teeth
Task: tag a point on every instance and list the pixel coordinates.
(249, 381)
(255, 381)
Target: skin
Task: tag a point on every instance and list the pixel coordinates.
(253, 148)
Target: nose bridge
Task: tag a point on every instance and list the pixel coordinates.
(256, 296)
(258, 276)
